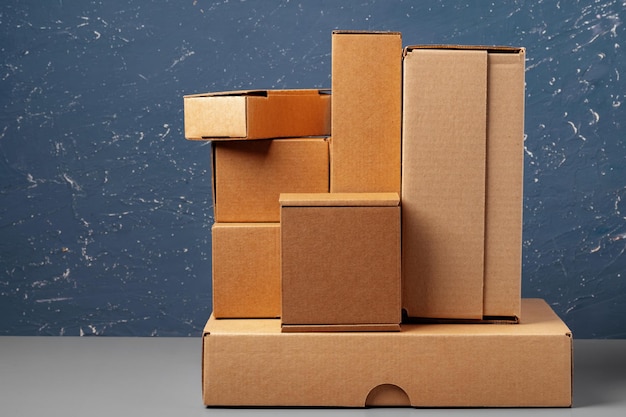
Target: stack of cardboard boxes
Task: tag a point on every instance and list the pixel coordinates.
(261, 147)
(371, 255)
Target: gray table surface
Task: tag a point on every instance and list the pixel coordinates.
(108, 376)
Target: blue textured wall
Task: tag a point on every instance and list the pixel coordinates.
(105, 210)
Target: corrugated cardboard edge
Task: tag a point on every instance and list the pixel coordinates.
(339, 199)
(484, 320)
(319, 328)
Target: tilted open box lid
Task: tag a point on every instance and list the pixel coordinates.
(257, 114)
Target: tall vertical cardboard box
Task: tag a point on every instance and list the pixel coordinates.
(340, 261)
(462, 162)
(366, 111)
(246, 270)
(250, 175)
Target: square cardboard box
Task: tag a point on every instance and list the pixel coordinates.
(250, 175)
(340, 261)
(462, 179)
(257, 114)
(246, 270)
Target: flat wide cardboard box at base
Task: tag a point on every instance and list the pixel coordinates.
(246, 270)
(340, 262)
(252, 363)
(462, 176)
(250, 175)
(366, 111)
(257, 114)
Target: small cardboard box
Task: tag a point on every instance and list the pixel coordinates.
(462, 162)
(340, 261)
(246, 270)
(250, 175)
(251, 363)
(257, 114)
(366, 111)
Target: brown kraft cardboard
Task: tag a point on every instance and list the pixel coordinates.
(462, 182)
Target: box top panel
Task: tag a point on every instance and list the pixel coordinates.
(537, 319)
(339, 199)
(489, 49)
(261, 93)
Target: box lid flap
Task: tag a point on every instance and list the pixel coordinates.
(339, 199)
(488, 48)
(261, 93)
(364, 32)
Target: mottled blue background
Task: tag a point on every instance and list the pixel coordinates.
(105, 209)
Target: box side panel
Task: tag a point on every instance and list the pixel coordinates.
(279, 370)
(490, 371)
(250, 175)
(207, 117)
(366, 112)
(212, 164)
(505, 157)
(246, 270)
(289, 115)
(340, 265)
(443, 183)
(204, 372)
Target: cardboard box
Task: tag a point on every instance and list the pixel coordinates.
(366, 111)
(462, 179)
(250, 175)
(340, 261)
(246, 270)
(251, 363)
(257, 114)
